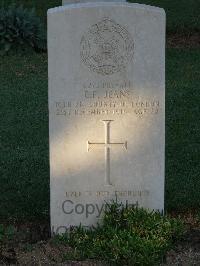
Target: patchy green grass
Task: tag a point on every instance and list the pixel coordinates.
(127, 236)
(24, 178)
(183, 129)
(182, 15)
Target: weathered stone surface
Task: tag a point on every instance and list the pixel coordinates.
(106, 109)
(64, 2)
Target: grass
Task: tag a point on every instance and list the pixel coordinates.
(24, 179)
(182, 15)
(183, 129)
(127, 236)
(24, 175)
(41, 6)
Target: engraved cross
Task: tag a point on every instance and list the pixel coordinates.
(107, 144)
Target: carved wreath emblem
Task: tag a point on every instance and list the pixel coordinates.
(107, 47)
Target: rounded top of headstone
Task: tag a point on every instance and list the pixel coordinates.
(65, 2)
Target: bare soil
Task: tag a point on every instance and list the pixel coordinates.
(42, 253)
(186, 252)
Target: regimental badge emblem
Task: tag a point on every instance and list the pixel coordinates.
(107, 47)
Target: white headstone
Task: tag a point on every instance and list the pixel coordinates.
(106, 109)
